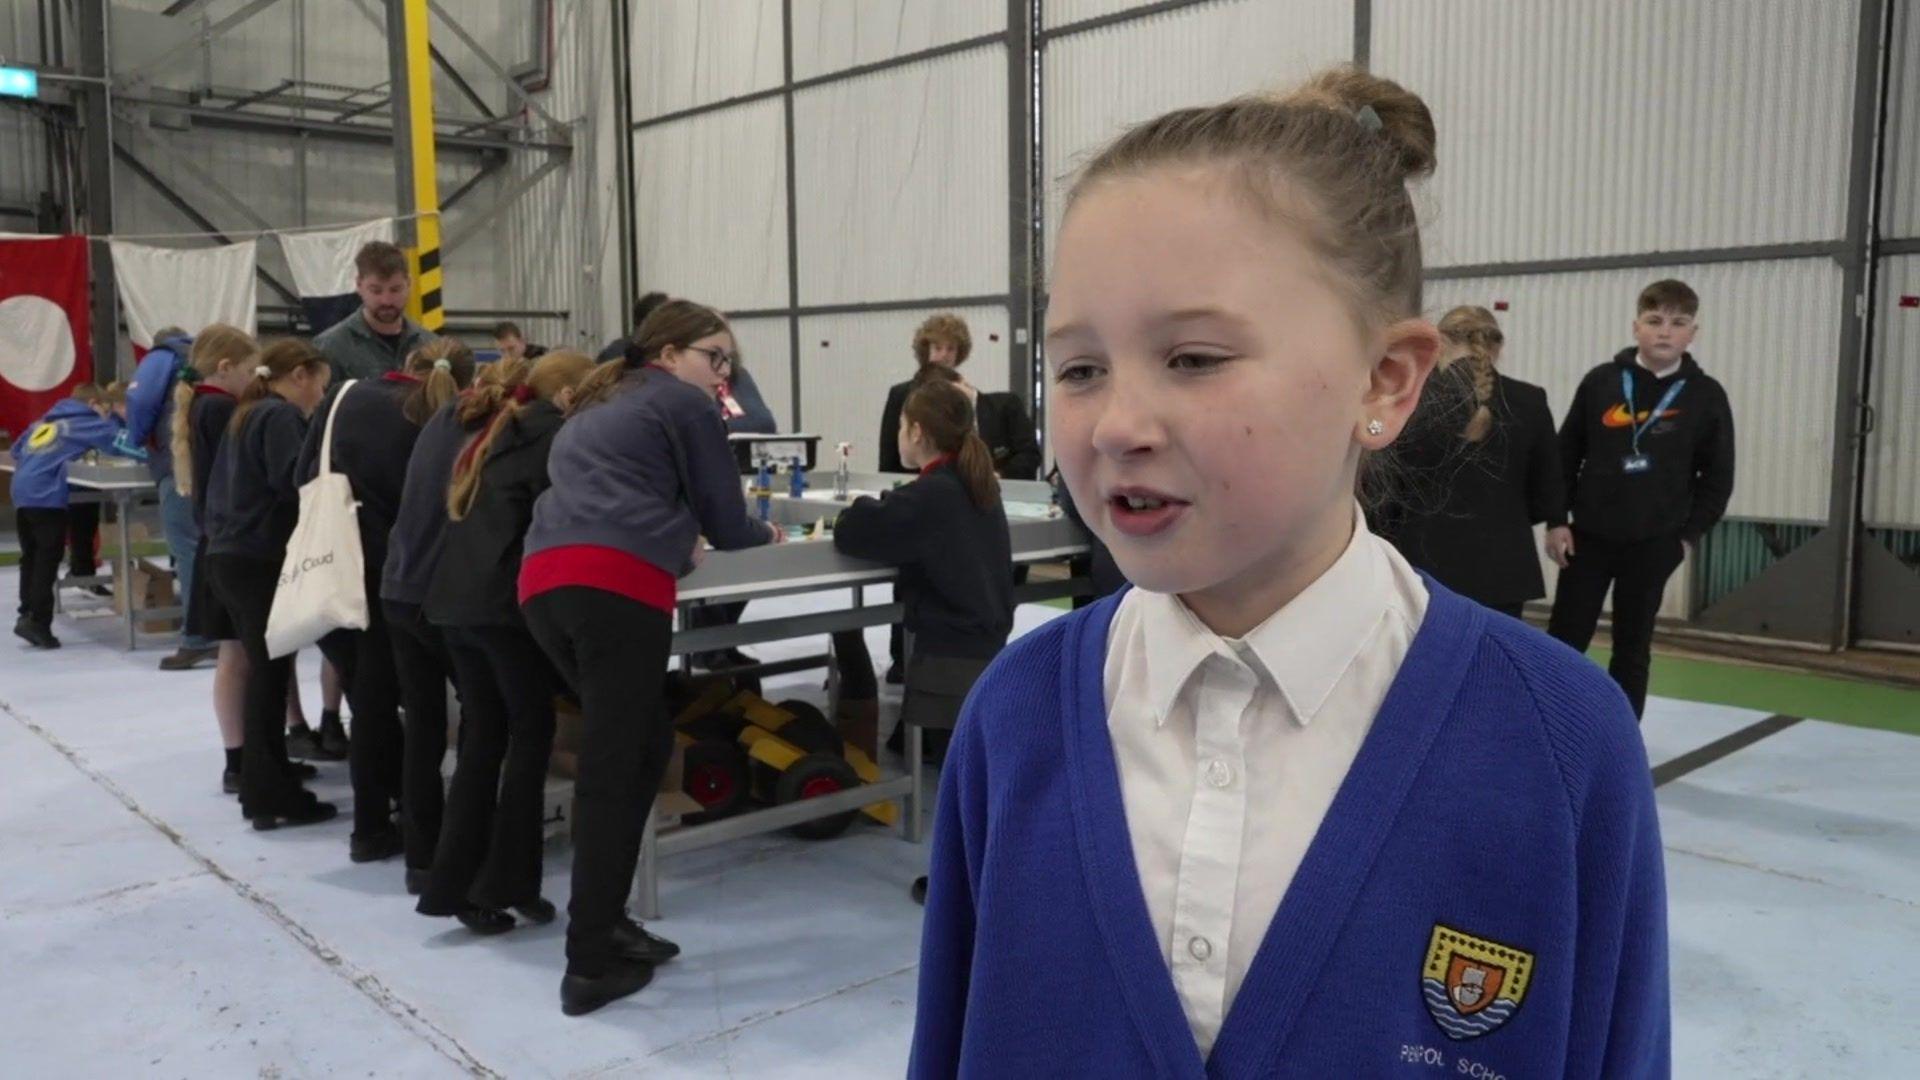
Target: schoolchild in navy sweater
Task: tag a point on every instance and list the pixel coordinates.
(253, 503)
(488, 859)
(1285, 807)
(419, 648)
(640, 472)
(40, 499)
(378, 421)
(205, 397)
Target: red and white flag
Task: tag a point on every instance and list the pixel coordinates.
(45, 337)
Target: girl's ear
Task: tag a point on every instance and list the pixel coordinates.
(1405, 356)
(564, 399)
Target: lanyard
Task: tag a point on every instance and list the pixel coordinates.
(1639, 426)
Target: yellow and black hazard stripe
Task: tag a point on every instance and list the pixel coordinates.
(426, 305)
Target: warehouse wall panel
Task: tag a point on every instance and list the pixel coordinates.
(710, 206)
(1900, 204)
(693, 52)
(1893, 449)
(1599, 127)
(766, 348)
(833, 35)
(902, 182)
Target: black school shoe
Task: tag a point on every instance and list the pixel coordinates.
(375, 846)
(582, 994)
(307, 811)
(307, 743)
(486, 921)
(539, 911)
(34, 634)
(919, 891)
(896, 677)
(630, 941)
(417, 880)
(333, 739)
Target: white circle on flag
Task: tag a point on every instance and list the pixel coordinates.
(36, 343)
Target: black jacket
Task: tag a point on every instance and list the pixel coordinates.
(1685, 491)
(371, 441)
(1469, 519)
(420, 526)
(253, 497)
(955, 560)
(207, 421)
(1003, 423)
(477, 581)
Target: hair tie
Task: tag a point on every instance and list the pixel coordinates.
(443, 364)
(522, 394)
(1368, 118)
(263, 372)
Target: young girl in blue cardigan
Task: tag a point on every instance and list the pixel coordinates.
(1285, 808)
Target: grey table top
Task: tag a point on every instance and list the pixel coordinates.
(122, 475)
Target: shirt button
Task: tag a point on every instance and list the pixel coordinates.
(1219, 773)
(1200, 949)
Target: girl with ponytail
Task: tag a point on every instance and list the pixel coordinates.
(204, 400)
(378, 424)
(413, 554)
(947, 532)
(252, 505)
(1487, 482)
(488, 858)
(641, 472)
(1284, 779)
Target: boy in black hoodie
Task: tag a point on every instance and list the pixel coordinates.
(1647, 448)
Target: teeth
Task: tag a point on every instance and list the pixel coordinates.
(1135, 503)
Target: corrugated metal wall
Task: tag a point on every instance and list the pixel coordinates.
(710, 209)
(902, 182)
(1768, 334)
(766, 348)
(834, 35)
(847, 363)
(1652, 125)
(1892, 496)
(692, 52)
(1097, 83)
(1900, 216)
(1062, 12)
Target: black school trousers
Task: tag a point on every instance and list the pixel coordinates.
(43, 536)
(1637, 571)
(613, 652)
(420, 660)
(83, 539)
(364, 659)
(490, 843)
(245, 587)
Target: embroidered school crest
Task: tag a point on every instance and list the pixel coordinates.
(1472, 985)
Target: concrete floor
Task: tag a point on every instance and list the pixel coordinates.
(153, 934)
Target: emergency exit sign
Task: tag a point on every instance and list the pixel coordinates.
(19, 82)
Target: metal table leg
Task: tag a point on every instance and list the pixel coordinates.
(123, 500)
(649, 883)
(916, 795)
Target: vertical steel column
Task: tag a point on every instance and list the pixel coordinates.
(1874, 40)
(793, 201)
(417, 191)
(91, 26)
(1022, 62)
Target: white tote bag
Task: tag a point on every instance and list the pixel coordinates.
(323, 580)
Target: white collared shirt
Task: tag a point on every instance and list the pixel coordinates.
(1231, 750)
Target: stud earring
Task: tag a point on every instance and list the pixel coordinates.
(1376, 429)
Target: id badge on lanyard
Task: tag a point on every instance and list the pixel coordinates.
(1636, 462)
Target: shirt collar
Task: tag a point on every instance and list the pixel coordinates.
(1303, 649)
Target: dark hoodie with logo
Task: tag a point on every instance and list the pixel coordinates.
(1687, 478)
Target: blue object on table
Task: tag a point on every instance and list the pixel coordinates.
(763, 490)
(797, 480)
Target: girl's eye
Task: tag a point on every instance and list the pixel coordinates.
(1077, 373)
(1197, 362)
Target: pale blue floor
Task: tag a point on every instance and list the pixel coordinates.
(145, 931)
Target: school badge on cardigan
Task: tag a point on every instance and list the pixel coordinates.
(1472, 985)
